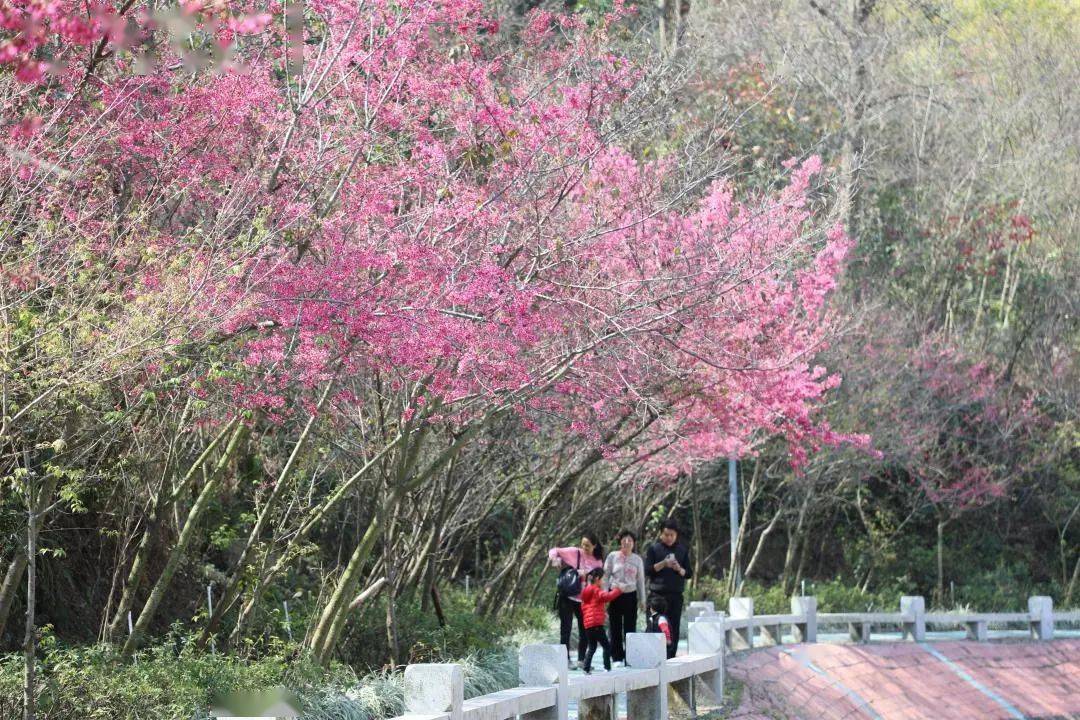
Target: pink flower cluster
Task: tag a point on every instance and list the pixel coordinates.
(422, 207)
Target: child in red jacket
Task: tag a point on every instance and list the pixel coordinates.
(593, 600)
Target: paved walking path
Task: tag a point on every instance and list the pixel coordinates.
(908, 681)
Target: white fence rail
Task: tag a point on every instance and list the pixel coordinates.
(436, 692)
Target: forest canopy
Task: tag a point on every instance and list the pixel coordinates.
(337, 306)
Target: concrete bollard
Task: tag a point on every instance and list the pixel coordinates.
(544, 666)
(435, 688)
(698, 609)
(1041, 610)
(741, 608)
(647, 651)
(706, 637)
(913, 607)
(806, 607)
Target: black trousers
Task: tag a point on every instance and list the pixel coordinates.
(622, 612)
(674, 615)
(597, 636)
(568, 610)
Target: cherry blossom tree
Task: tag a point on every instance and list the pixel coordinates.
(380, 215)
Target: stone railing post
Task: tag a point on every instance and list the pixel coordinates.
(435, 688)
(741, 608)
(647, 651)
(706, 637)
(544, 666)
(1041, 610)
(699, 609)
(913, 607)
(805, 606)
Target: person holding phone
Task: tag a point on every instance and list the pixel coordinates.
(667, 565)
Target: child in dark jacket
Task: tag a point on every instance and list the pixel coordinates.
(593, 600)
(657, 621)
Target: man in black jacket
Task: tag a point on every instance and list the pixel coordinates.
(667, 565)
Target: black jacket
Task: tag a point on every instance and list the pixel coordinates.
(667, 581)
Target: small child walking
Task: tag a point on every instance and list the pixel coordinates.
(657, 621)
(593, 600)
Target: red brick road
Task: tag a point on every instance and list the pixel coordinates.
(905, 681)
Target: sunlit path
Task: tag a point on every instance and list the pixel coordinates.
(908, 681)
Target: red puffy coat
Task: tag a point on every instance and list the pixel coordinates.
(593, 600)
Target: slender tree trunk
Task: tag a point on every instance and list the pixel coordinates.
(672, 25)
(12, 579)
(436, 604)
(30, 636)
(939, 593)
(187, 535)
(247, 609)
(795, 540)
(760, 544)
(749, 495)
(231, 590)
(19, 560)
(1067, 602)
(539, 512)
(696, 522)
(391, 619)
(804, 555)
(160, 505)
(331, 620)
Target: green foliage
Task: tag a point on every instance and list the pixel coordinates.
(172, 680)
(92, 681)
(422, 639)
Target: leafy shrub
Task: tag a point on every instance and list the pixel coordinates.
(173, 681)
(422, 639)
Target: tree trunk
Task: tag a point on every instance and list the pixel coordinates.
(939, 592)
(696, 522)
(17, 567)
(231, 590)
(672, 25)
(749, 495)
(391, 622)
(436, 604)
(332, 619)
(795, 540)
(187, 535)
(30, 636)
(12, 579)
(760, 544)
(489, 598)
(1072, 584)
(160, 505)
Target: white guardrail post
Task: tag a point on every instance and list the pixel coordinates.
(647, 651)
(1041, 609)
(913, 608)
(741, 608)
(697, 609)
(706, 637)
(804, 630)
(544, 666)
(435, 690)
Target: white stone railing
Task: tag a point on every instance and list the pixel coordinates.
(436, 692)
(745, 630)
